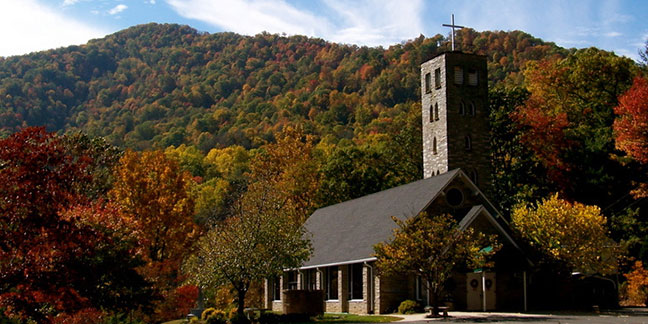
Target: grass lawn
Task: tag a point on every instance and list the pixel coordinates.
(352, 318)
(333, 318)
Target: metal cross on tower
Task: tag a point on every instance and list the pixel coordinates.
(453, 26)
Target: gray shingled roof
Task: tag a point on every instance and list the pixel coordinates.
(348, 231)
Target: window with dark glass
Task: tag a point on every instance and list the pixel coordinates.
(472, 77)
(276, 288)
(437, 78)
(434, 146)
(458, 75)
(355, 281)
(471, 108)
(462, 108)
(308, 279)
(291, 279)
(473, 176)
(331, 274)
(427, 83)
(436, 111)
(467, 143)
(419, 288)
(431, 113)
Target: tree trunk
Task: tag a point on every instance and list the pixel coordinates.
(435, 303)
(241, 301)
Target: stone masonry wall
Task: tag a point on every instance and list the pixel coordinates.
(452, 127)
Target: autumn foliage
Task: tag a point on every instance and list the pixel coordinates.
(55, 260)
(636, 293)
(631, 125)
(570, 233)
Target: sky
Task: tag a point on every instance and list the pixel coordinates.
(620, 26)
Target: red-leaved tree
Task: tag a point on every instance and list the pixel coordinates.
(631, 126)
(37, 247)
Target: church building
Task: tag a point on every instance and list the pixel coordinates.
(457, 175)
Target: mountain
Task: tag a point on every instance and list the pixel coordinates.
(159, 85)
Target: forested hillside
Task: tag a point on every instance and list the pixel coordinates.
(159, 85)
(184, 130)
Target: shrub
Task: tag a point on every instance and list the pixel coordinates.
(408, 307)
(236, 319)
(205, 314)
(216, 316)
(269, 318)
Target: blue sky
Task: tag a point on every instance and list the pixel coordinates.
(619, 26)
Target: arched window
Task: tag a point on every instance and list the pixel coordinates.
(467, 143)
(436, 111)
(431, 113)
(473, 176)
(471, 108)
(434, 146)
(462, 108)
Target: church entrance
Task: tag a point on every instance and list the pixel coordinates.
(481, 291)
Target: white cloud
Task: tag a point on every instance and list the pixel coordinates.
(31, 27)
(360, 22)
(613, 34)
(151, 2)
(70, 2)
(375, 23)
(251, 17)
(117, 9)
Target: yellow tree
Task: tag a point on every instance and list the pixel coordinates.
(153, 193)
(289, 169)
(570, 233)
(433, 247)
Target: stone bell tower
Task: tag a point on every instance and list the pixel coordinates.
(454, 98)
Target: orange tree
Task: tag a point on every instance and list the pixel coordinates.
(153, 193)
(433, 247)
(630, 127)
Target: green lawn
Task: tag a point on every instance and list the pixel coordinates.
(334, 318)
(352, 318)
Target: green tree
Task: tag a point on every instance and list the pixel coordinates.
(433, 247)
(259, 240)
(572, 234)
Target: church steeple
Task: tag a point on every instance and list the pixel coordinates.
(454, 98)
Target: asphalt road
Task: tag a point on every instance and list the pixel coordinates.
(628, 315)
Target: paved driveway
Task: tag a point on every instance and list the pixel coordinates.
(629, 315)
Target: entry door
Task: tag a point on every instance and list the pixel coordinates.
(475, 296)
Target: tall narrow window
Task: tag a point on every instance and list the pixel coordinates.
(471, 108)
(434, 146)
(458, 75)
(437, 78)
(427, 83)
(419, 288)
(472, 77)
(308, 279)
(436, 111)
(291, 278)
(467, 143)
(355, 281)
(462, 108)
(473, 177)
(276, 288)
(431, 113)
(331, 283)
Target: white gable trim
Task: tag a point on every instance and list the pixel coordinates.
(472, 216)
(338, 263)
